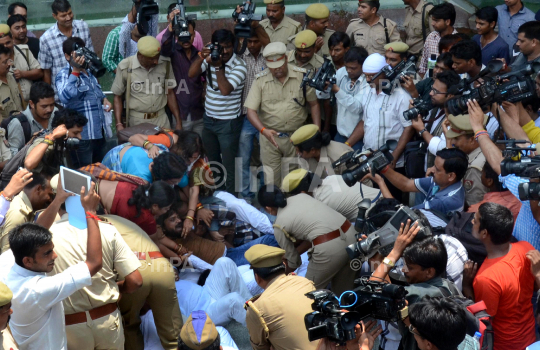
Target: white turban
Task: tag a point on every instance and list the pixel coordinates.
(374, 63)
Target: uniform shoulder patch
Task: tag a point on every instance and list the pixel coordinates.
(124, 64)
(291, 38)
(252, 299)
(299, 69)
(355, 20)
(318, 58)
(468, 184)
(262, 74)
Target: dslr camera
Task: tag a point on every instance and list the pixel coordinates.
(379, 300)
(359, 163)
(243, 19)
(215, 51)
(382, 240)
(92, 62)
(421, 107)
(146, 9)
(180, 22)
(395, 75)
(327, 73)
(512, 87)
(525, 166)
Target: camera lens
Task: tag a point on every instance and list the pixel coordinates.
(411, 114)
(458, 105)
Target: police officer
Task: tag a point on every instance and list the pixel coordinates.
(395, 52)
(461, 136)
(158, 289)
(278, 26)
(371, 30)
(417, 25)
(146, 82)
(317, 20)
(10, 95)
(275, 318)
(275, 106)
(303, 54)
(6, 339)
(303, 223)
(318, 150)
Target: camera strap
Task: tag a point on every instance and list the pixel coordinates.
(424, 20)
(386, 31)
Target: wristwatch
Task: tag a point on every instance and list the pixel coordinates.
(388, 262)
(217, 69)
(421, 132)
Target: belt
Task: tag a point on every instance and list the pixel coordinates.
(151, 115)
(332, 235)
(152, 255)
(98, 312)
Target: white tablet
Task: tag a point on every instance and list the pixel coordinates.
(72, 181)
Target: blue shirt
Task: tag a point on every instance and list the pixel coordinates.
(509, 25)
(136, 162)
(498, 48)
(446, 201)
(84, 95)
(526, 227)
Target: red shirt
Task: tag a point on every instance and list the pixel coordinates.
(506, 285)
(505, 198)
(120, 207)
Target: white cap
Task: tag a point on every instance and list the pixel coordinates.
(374, 63)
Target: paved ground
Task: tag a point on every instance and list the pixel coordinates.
(240, 335)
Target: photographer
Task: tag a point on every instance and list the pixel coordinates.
(223, 113)
(127, 46)
(431, 127)
(467, 58)
(79, 90)
(423, 87)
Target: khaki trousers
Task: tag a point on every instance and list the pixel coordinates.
(159, 291)
(275, 159)
(105, 333)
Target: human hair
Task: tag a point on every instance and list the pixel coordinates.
(318, 141)
(531, 30)
(171, 7)
(444, 11)
(15, 19)
(69, 117)
(498, 221)
(533, 102)
(356, 54)
(489, 173)
(448, 41)
(214, 346)
(467, 50)
(339, 37)
(4, 50)
(144, 196)
(455, 161)
(427, 253)
(26, 239)
(189, 143)
(372, 3)
(223, 36)
(271, 196)
(304, 184)
(37, 180)
(488, 14)
(382, 211)
(446, 59)
(60, 6)
(269, 273)
(11, 8)
(441, 321)
(422, 218)
(40, 90)
(168, 166)
(67, 45)
(448, 78)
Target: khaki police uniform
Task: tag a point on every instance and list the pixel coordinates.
(413, 27)
(324, 51)
(158, 289)
(6, 339)
(24, 60)
(148, 90)
(278, 110)
(20, 211)
(329, 154)
(316, 62)
(93, 320)
(372, 38)
(10, 97)
(283, 31)
(328, 231)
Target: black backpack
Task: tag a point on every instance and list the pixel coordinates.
(27, 128)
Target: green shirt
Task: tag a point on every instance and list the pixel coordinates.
(111, 51)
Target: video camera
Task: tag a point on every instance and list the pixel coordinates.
(379, 300)
(512, 87)
(242, 29)
(382, 240)
(327, 73)
(92, 62)
(146, 9)
(180, 22)
(525, 166)
(362, 163)
(421, 107)
(396, 74)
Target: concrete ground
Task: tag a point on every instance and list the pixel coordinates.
(240, 335)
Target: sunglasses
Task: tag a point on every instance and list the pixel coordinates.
(413, 330)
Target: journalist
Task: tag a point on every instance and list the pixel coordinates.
(79, 90)
(423, 87)
(467, 58)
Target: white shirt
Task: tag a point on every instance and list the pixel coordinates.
(383, 118)
(38, 322)
(436, 143)
(349, 102)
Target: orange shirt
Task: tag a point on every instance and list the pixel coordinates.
(506, 285)
(162, 139)
(505, 198)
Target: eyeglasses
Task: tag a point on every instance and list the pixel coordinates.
(437, 92)
(413, 330)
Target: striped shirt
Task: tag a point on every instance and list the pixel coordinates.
(226, 107)
(255, 65)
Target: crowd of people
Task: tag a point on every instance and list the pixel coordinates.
(236, 188)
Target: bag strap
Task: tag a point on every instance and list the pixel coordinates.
(477, 307)
(128, 92)
(22, 53)
(444, 292)
(386, 32)
(424, 20)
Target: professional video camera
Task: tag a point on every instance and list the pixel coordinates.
(396, 74)
(362, 163)
(379, 300)
(242, 29)
(92, 62)
(421, 107)
(180, 22)
(525, 166)
(325, 74)
(145, 10)
(512, 87)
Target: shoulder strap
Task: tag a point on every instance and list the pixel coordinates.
(445, 292)
(128, 92)
(424, 20)
(252, 306)
(22, 53)
(27, 130)
(386, 32)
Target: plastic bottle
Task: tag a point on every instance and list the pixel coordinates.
(477, 337)
(431, 64)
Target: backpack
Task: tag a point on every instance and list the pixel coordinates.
(27, 128)
(478, 320)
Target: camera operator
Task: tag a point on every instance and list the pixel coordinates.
(423, 87)
(528, 42)
(278, 26)
(431, 127)
(128, 47)
(78, 89)
(467, 58)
